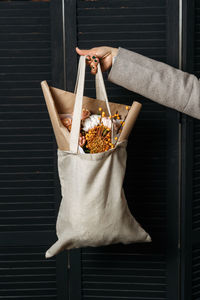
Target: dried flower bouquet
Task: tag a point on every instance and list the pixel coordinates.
(98, 132)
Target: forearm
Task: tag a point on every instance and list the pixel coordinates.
(157, 81)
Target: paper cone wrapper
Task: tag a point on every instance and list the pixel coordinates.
(62, 102)
(130, 120)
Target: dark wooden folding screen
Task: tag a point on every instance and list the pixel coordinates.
(37, 42)
(190, 200)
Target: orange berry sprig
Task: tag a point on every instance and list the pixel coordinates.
(116, 116)
(100, 118)
(99, 139)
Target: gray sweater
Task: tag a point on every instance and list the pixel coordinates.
(157, 81)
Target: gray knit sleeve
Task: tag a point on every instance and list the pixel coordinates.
(157, 81)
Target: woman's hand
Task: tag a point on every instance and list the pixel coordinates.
(104, 55)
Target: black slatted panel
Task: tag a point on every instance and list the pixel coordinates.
(27, 159)
(196, 168)
(108, 22)
(196, 63)
(123, 273)
(26, 144)
(24, 274)
(196, 172)
(131, 272)
(196, 178)
(196, 274)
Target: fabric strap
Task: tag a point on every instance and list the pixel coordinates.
(100, 88)
(99, 84)
(79, 90)
(75, 131)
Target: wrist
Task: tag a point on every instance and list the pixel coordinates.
(114, 52)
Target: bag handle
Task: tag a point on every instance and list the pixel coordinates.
(101, 93)
(100, 88)
(79, 89)
(75, 130)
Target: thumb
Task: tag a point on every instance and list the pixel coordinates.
(57, 247)
(83, 51)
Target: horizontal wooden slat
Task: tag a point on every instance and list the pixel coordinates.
(123, 278)
(25, 60)
(131, 28)
(119, 3)
(25, 5)
(48, 197)
(125, 35)
(125, 11)
(24, 116)
(25, 76)
(24, 21)
(123, 43)
(26, 37)
(26, 206)
(103, 19)
(28, 68)
(20, 29)
(24, 52)
(37, 44)
(28, 122)
(24, 13)
(27, 168)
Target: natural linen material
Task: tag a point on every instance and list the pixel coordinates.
(93, 211)
(157, 81)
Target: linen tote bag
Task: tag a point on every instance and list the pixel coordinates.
(93, 210)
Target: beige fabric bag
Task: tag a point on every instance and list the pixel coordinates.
(93, 211)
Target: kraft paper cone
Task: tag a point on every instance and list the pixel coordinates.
(60, 131)
(130, 120)
(62, 102)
